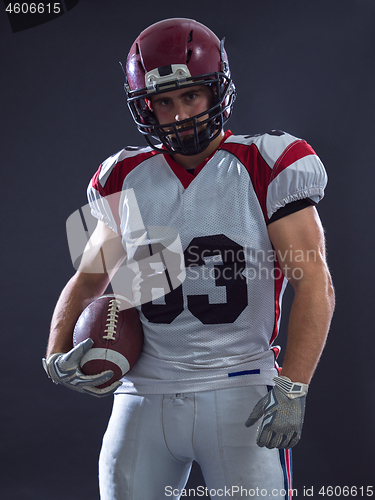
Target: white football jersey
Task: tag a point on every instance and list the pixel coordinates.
(206, 281)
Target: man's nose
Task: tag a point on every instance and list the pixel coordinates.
(181, 113)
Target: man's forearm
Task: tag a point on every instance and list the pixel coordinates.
(80, 291)
(309, 322)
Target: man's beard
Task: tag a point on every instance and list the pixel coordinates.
(192, 143)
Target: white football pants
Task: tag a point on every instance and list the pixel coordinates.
(151, 441)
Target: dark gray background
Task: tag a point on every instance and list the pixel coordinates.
(306, 67)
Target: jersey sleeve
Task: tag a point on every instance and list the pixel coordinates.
(297, 174)
(101, 196)
(109, 194)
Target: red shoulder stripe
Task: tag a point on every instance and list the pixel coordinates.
(295, 151)
(259, 171)
(113, 186)
(119, 172)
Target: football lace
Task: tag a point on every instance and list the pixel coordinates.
(112, 317)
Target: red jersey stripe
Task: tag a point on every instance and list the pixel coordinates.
(113, 186)
(120, 170)
(295, 151)
(259, 171)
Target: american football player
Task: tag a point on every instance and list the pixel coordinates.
(207, 386)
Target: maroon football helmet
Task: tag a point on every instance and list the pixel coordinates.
(173, 54)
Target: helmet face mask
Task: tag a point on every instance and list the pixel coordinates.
(190, 46)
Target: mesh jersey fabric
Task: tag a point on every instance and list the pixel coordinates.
(206, 281)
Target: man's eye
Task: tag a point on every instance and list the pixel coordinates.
(163, 102)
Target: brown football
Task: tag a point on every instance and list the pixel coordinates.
(113, 323)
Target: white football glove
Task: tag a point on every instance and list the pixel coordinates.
(64, 369)
(282, 409)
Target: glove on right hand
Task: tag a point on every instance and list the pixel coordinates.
(65, 369)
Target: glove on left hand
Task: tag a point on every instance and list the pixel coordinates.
(283, 409)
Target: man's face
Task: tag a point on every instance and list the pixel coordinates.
(182, 104)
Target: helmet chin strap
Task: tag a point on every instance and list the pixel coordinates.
(195, 144)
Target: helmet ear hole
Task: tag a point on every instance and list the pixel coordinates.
(144, 112)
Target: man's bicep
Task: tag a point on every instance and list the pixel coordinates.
(104, 251)
(298, 240)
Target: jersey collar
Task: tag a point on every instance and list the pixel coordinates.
(182, 174)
